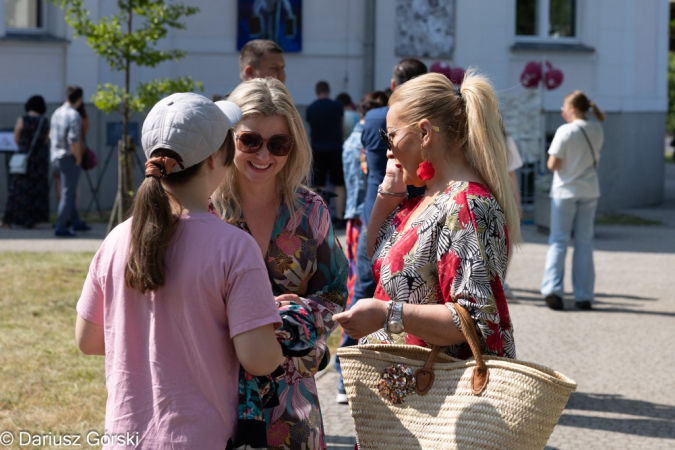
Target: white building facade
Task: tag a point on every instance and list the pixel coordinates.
(616, 51)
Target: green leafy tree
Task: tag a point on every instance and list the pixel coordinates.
(670, 117)
(127, 39)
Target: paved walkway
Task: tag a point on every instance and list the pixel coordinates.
(621, 353)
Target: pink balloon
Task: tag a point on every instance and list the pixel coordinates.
(553, 78)
(531, 75)
(457, 76)
(441, 67)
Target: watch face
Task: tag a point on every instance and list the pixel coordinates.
(395, 327)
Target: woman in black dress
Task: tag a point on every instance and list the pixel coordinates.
(28, 195)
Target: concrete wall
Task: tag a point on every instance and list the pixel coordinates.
(624, 71)
(631, 167)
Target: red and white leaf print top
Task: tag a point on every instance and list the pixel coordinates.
(454, 252)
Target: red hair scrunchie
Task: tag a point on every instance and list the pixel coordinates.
(160, 166)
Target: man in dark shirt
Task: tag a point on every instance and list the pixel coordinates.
(325, 118)
(376, 152)
(376, 157)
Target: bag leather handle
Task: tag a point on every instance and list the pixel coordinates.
(424, 377)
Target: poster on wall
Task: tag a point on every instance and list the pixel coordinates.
(425, 28)
(521, 113)
(277, 20)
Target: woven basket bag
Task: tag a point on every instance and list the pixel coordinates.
(481, 403)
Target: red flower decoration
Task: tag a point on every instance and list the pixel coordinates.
(425, 171)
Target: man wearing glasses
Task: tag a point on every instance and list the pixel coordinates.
(376, 159)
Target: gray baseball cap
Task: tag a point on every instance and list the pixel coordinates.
(189, 124)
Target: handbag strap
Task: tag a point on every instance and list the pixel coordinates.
(35, 137)
(424, 377)
(595, 161)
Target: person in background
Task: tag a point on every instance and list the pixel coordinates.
(355, 184)
(174, 318)
(573, 157)
(66, 155)
(376, 160)
(351, 117)
(28, 194)
(261, 58)
(264, 195)
(513, 163)
(325, 118)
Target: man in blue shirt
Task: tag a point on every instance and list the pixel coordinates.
(376, 158)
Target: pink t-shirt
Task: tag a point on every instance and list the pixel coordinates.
(171, 368)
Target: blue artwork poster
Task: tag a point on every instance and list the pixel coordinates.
(277, 20)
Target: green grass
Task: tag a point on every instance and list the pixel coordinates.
(334, 340)
(90, 217)
(623, 219)
(46, 384)
(670, 157)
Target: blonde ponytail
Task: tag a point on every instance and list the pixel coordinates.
(486, 146)
(470, 120)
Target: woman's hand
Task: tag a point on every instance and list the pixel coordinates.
(366, 316)
(287, 299)
(393, 177)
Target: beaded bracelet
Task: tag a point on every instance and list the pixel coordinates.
(393, 194)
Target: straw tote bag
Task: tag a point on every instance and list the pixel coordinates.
(409, 397)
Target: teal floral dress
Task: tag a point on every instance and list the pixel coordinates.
(304, 258)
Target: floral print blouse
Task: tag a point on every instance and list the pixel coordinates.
(305, 258)
(454, 252)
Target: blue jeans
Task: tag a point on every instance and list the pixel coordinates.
(364, 288)
(571, 215)
(69, 174)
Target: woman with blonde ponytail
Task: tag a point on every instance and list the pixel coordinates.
(573, 157)
(450, 245)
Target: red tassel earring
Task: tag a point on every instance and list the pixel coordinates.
(425, 171)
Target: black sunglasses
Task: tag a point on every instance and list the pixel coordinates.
(251, 142)
(388, 138)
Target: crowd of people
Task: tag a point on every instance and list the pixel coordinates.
(57, 144)
(213, 303)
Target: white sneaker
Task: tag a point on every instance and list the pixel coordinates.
(342, 399)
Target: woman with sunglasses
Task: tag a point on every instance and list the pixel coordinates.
(450, 245)
(263, 194)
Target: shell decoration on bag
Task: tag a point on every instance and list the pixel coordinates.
(396, 383)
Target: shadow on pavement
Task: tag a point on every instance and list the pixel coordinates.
(659, 429)
(536, 299)
(613, 403)
(618, 238)
(532, 295)
(340, 442)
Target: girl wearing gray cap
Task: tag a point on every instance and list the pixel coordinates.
(173, 318)
(263, 194)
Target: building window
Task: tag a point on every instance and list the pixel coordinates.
(546, 19)
(23, 15)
